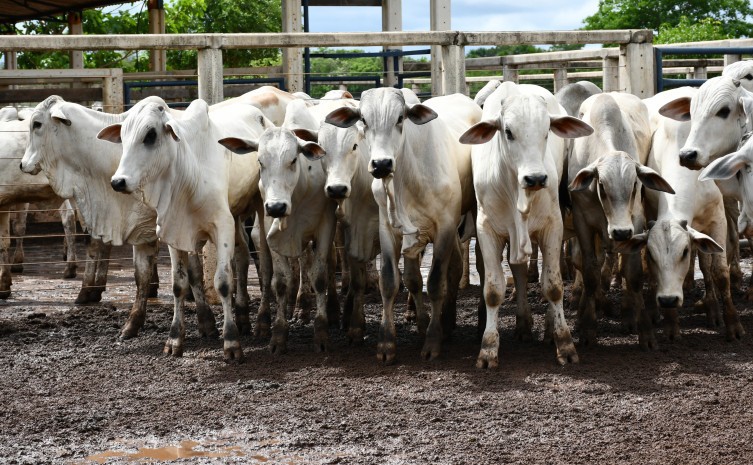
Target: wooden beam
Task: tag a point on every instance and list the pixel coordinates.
(77, 28)
(157, 58)
(82, 94)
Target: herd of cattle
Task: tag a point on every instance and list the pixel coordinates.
(668, 175)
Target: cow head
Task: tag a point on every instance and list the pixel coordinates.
(718, 115)
(523, 124)
(150, 138)
(45, 119)
(344, 149)
(383, 112)
(740, 164)
(279, 151)
(668, 245)
(615, 178)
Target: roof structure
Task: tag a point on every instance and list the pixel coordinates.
(14, 11)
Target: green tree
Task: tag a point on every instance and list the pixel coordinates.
(732, 15)
(502, 50)
(689, 31)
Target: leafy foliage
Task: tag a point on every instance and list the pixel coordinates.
(689, 31)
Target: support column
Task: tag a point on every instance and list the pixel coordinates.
(729, 59)
(292, 57)
(453, 70)
(392, 20)
(76, 28)
(157, 58)
(560, 76)
(611, 79)
(112, 92)
(509, 72)
(637, 73)
(440, 21)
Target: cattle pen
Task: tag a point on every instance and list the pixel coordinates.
(72, 392)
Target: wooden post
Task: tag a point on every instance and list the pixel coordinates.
(440, 20)
(75, 27)
(292, 57)
(509, 73)
(637, 73)
(611, 76)
(112, 91)
(392, 20)
(560, 76)
(699, 72)
(157, 58)
(729, 59)
(453, 70)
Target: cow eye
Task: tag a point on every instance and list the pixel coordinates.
(749, 77)
(509, 135)
(292, 163)
(151, 137)
(685, 253)
(363, 120)
(723, 113)
(400, 119)
(36, 125)
(355, 146)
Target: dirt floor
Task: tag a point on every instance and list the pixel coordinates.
(71, 392)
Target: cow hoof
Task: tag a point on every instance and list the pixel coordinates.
(588, 338)
(242, 321)
(386, 352)
(17, 268)
(173, 347)
(321, 335)
(128, 332)
(4, 294)
(152, 291)
(410, 316)
(233, 352)
(70, 272)
(302, 315)
(563, 358)
(355, 336)
(278, 348)
(488, 358)
(523, 331)
(261, 331)
(208, 331)
(431, 349)
(735, 332)
(648, 342)
(278, 344)
(672, 333)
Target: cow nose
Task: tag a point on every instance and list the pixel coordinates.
(118, 184)
(622, 234)
(276, 209)
(689, 158)
(535, 182)
(668, 301)
(381, 168)
(337, 192)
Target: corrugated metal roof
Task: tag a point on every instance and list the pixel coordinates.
(14, 11)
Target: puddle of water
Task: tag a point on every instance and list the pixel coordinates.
(186, 449)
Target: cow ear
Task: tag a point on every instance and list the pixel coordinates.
(704, 243)
(569, 127)
(111, 133)
(724, 167)
(678, 109)
(421, 114)
(480, 132)
(343, 117)
(240, 146)
(311, 150)
(171, 128)
(58, 114)
(746, 101)
(307, 135)
(652, 180)
(583, 179)
(632, 245)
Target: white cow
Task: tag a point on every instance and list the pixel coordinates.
(605, 171)
(297, 213)
(696, 203)
(174, 166)
(425, 187)
(348, 183)
(16, 190)
(516, 175)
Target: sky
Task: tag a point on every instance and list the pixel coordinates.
(467, 15)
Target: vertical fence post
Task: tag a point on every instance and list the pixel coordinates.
(509, 72)
(453, 70)
(637, 65)
(440, 20)
(729, 59)
(611, 79)
(292, 57)
(210, 75)
(112, 91)
(560, 76)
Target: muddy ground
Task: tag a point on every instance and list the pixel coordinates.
(71, 392)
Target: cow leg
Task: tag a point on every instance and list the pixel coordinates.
(646, 319)
(204, 316)
(389, 284)
(414, 282)
(591, 283)
(282, 280)
(318, 276)
(68, 218)
(710, 303)
(153, 288)
(632, 302)
(342, 259)
(18, 226)
(556, 328)
(179, 271)
(449, 309)
(533, 265)
(5, 275)
(465, 251)
(356, 321)
(481, 309)
(103, 265)
(494, 285)
(446, 246)
(88, 292)
(732, 212)
(689, 283)
(523, 318)
(333, 305)
(720, 273)
(302, 310)
(242, 299)
(263, 316)
(144, 256)
(223, 282)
